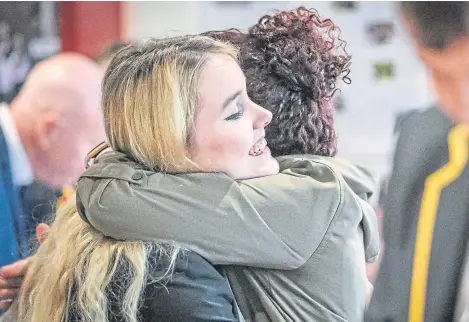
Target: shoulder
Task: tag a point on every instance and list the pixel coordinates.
(426, 119)
(424, 132)
(360, 179)
(422, 146)
(357, 185)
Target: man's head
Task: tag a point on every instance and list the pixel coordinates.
(293, 61)
(58, 117)
(441, 32)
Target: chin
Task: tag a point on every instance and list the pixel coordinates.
(269, 167)
(272, 167)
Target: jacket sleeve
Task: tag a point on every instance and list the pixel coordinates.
(270, 222)
(362, 184)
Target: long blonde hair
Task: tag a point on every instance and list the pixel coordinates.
(149, 98)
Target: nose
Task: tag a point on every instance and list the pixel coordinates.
(262, 117)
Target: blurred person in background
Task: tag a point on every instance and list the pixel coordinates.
(44, 133)
(310, 113)
(426, 211)
(39, 200)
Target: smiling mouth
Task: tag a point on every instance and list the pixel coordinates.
(259, 147)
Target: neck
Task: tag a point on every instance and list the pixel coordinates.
(25, 132)
(456, 100)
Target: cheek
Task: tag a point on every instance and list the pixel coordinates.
(226, 146)
(235, 145)
(226, 151)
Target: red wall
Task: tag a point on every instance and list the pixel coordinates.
(88, 27)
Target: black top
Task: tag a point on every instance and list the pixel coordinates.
(38, 201)
(195, 292)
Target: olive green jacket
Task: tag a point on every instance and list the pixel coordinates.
(293, 245)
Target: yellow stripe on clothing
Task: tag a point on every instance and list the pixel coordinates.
(434, 184)
(67, 192)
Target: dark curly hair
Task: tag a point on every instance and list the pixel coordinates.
(293, 61)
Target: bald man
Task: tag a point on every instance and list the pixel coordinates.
(45, 134)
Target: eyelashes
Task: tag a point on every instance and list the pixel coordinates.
(237, 115)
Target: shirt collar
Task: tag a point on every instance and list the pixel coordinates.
(19, 163)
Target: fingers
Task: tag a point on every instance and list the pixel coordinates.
(41, 232)
(8, 295)
(11, 277)
(4, 305)
(17, 269)
(6, 283)
(10, 281)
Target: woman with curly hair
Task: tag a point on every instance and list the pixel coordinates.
(293, 246)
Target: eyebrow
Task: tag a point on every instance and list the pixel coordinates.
(231, 98)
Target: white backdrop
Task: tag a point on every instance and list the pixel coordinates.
(365, 127)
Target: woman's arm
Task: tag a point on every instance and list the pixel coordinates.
(271, 222)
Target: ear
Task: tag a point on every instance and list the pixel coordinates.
(46, 129)
(41, 232)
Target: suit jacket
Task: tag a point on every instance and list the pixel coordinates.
(11, 225)
(421, 151)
